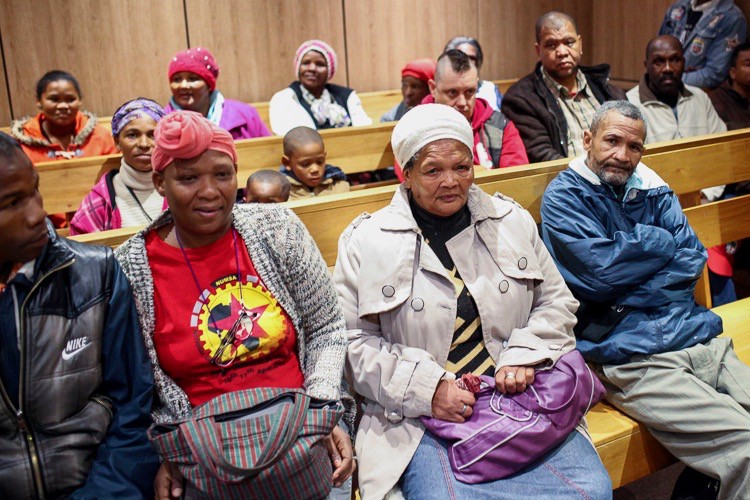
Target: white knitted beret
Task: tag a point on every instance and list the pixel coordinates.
(428, 123)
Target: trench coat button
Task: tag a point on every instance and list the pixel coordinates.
(417, 304)
(389, 291)
(522, 263)
(504, 285)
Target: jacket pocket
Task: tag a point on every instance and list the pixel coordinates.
(523, 266)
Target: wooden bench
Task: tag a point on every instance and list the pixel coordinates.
(679, 162)
(64, 184)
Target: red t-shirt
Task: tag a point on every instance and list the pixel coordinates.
(190, 325)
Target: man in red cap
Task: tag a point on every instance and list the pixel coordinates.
(414, 88)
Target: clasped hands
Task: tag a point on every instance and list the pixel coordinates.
(453, 404)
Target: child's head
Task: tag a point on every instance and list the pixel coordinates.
(267, 186)
(305, 155)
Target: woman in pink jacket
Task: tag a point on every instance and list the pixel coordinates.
(126, 196)
(192, 80)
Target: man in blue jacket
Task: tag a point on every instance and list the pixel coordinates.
(75, 382)
(709, 30)
(625, 249)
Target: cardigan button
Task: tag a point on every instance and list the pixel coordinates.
(417, 304)
(389, 291)
(522, 263)
(504, 286)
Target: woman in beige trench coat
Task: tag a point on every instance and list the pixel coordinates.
(446, 280)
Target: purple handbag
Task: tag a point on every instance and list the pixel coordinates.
(507, 432)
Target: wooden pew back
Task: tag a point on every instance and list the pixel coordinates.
(64, 184)
(327, 217)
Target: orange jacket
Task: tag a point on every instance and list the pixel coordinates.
(90, 139)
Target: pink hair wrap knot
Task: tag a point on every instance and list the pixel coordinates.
(186, 134)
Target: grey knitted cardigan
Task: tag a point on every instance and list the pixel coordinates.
(286, 257)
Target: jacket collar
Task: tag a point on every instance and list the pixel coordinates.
(55, 254)
(720, 10)
(482, 112)
(646, 96)
(559, 90)
(726, 88)
(28, 130)
(643, 178)
(401, 219)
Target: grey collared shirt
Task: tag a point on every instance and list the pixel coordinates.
(579, 109)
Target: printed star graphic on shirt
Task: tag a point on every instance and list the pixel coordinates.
(248, 331)
(251, 320)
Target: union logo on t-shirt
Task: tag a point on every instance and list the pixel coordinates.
(245, 318)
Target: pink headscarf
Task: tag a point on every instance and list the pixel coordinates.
(186, 134)
(318, 46)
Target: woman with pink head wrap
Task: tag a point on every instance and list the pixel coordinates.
(230, 297)
(310, 101)
(192, 79)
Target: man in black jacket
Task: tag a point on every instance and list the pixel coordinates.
(75, 381)
(553, 106)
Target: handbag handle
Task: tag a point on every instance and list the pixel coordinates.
(206, 442)
(532, 403)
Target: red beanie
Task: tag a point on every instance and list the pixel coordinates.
(199, 61)
(421, 69)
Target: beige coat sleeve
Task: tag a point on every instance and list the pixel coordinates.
(548, 334)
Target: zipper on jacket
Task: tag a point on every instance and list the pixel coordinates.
(29, 440)
(36, 467)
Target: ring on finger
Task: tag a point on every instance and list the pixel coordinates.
(510, 375)
(463, 410)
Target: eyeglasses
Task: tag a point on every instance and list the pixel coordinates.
(227, 342)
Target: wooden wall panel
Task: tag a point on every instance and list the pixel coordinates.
(622, 28)
(384, 35)
(123, 48)
(254, 41)
(117, 50)
(506, 32)
(5, 115)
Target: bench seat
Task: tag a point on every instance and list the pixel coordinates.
(626, 448)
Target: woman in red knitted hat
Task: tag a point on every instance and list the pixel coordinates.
(192, 80)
